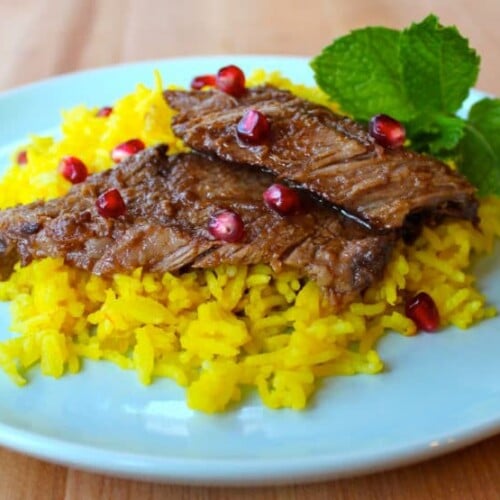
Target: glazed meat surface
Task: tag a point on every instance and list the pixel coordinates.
(330, 155)
(169, 201)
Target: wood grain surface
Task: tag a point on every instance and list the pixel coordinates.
(42, 38)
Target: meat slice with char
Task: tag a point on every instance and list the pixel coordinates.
(170, 200)
(328, 154)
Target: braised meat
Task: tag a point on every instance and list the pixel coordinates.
(326, 153)
(169, 201)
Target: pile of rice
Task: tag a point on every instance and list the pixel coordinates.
(216, 331)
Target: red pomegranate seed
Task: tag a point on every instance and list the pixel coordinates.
(126, 149)
(387, 131)
(22, 157)
(423, 311)
(111, 204)
(282, 199)
(231, 80)
(201, 81)
(73, 169)
(104, 111)
(226, 226)
(253, 127)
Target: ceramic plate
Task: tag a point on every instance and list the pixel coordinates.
(439, 392)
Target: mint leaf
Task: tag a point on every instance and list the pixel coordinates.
(361, 72)
(479, 150)
(436, 134)
(438, 66)
(419, 76)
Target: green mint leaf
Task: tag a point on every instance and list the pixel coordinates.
(361, 72)
(438, 66)
(479, 150)
(419, 76)
(436, 134)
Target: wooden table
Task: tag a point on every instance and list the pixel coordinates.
(41, 38)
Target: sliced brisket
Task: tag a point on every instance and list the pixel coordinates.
(326, 153)
(169, 202)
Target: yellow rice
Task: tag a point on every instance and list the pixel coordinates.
(216, 331)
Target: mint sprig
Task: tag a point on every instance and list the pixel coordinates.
(420, 76)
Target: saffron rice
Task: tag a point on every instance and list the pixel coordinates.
(220, 330)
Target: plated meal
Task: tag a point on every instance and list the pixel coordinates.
(241, 234)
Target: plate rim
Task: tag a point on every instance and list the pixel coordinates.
(245, 472)
(6, 92)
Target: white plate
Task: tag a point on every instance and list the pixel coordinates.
(440, 392)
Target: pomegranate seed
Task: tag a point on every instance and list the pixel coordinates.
(111, 204)
(73, 169)
(226, 226)
(104, 111)
(253, 127)
(282, 199)
(201, 81)
(231, 80)
(22, 157)
(387, 131)
(126, 149)
(423, 311)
